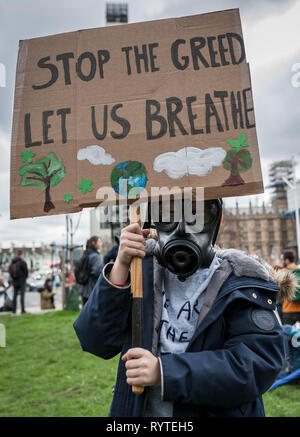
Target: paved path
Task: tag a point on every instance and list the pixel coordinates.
(33, 303)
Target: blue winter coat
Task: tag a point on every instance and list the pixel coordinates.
(233, 358)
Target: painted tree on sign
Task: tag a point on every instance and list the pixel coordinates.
(44, 173)
(237, 160)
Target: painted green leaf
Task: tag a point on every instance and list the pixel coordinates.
(86, 185)
(235, 144)
(27, 156)
(68, 197)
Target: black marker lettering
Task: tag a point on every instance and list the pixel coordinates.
(211, 111)
(46, 126)
(63, 113)
(143, 56)
(27, 133)
(151, 117)
(236, 110)
(196, 45)
(64, 57)
(222, 50)
(221, 95)
(127, 50)
(192, 117)
(248, 124)
(54, 73)
(96, 133)
(239, 39)
(103, 58)
(93, 66)
(172, 115)
(212, 52)
(121, 121)
(174, 55)
(152, 46)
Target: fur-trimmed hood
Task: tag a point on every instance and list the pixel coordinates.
(255, 267)
(248, 265)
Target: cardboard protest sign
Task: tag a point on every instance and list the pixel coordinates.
(161, 103)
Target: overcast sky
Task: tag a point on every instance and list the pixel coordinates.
(271, 34)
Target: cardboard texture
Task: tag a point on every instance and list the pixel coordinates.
(161, 103)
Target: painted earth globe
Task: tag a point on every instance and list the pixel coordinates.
(129, 178)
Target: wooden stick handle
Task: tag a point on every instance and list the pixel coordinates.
(137, 292)
(137, 390)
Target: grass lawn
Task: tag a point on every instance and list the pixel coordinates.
(43, 372)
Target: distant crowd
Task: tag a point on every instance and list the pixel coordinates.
(87, 271)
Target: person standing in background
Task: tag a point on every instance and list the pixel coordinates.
(290, 309)
(94, 266)
(2, 294)
(47, 296)
(18, 271)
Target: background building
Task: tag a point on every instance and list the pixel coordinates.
(266, 230)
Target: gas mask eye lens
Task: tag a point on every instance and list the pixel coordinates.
(166, 226)
(210, 211)
(162, 224)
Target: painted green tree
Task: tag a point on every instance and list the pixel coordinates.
(44, 173)
(237, 160)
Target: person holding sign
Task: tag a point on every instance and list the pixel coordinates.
(212, 344)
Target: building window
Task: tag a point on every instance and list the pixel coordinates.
(245, 236)
(257, 224)
(258, 249)
(271, 235)
(244, 225)
(258, 236)
(271, 223)
(284, 235)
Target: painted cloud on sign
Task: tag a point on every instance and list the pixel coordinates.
(96, 155)
(189, 160)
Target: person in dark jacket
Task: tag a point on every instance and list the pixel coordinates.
(212, 343)
(18, 271)
(93, 246)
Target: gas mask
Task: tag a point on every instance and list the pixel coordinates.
(181, 251)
